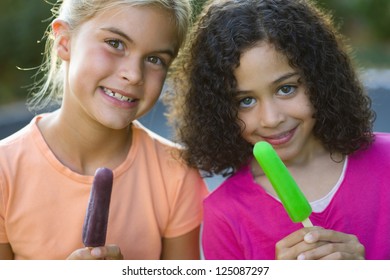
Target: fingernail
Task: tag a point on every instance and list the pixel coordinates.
(301, 257)
(309, 238)
(96, 252)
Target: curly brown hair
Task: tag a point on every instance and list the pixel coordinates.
(203, 108)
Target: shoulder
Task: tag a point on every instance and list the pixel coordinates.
(380, 146)
(382, 140)
(151, 138)
(19, 153)
(25, 149)
(19, 138)
(233, 188)
(376, 157)
(160, 153)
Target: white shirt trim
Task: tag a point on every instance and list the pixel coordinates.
(320, 204)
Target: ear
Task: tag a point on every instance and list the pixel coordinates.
(62, 38)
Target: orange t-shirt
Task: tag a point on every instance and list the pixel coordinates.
(43, 203)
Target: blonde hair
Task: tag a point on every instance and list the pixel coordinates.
(48, 89)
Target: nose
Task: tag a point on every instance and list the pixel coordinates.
(132, 71)
(271, 115)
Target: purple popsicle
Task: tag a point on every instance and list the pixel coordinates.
(96, 218)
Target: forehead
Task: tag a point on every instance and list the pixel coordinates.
(261, 63)
(153, 25)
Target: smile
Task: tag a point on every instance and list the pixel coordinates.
(281, 138)
(117, 96)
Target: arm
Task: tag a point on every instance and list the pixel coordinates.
(320, 244)
(6, 252)
(184, 247)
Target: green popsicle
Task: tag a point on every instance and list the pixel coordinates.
(293, 200)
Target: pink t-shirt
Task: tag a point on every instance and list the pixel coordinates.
(242, 221)
(43, 203)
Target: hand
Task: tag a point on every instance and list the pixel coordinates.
(319, 244)
(339, 246)
(108, 252)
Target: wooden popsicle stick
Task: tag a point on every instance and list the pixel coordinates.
(307, 223)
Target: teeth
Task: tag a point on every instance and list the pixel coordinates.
(117, 95)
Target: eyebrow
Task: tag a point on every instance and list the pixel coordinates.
(277, 81)
(285, 77)
(124, 35)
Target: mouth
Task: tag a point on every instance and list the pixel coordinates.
(281, 138)
(118, 96)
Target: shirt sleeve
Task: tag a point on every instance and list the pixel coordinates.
(187, 212)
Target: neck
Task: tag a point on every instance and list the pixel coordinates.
(83, 147)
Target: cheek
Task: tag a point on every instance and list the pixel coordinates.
(308, 117)
(306, 111)
(247, 125)
(153, 87)
(154, 83)
(88, 70)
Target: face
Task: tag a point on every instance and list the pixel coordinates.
(116, 63)
(273, 104)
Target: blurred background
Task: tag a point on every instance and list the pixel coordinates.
(23, 23)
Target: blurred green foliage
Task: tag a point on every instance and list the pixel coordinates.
(23, 23)
(368, 17)
(367, 24)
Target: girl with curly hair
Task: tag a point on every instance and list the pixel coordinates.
(106, 63)
(279, 71)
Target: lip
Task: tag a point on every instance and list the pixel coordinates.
(280, 138)
(119, 98)
(117, 91)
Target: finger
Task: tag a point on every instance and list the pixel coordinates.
(81, 254)
(297, 251)
(334, 251)
(320, 234)
(108, 252)
(293, 245)
(295, 237)
(342, 256)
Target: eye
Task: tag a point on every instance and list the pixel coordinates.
(116, 44)
(286, 90)
(155, 60)
(247, 102)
